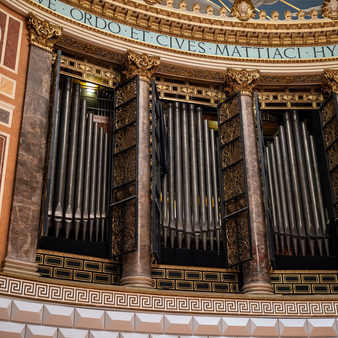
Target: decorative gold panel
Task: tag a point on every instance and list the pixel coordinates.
(290, 98)
(78, 268)
(187, 91)
(86, 71)
(195, 279)
(305, 282)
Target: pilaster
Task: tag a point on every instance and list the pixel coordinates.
(25, 216)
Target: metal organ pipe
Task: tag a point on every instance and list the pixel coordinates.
(54, 154)
(171, 142)
(310, 170)
(200, 142)
(99, 183)
(62, 159)
(214, 188)
(303, 181)
(104, 184)
(93, 185)
(288, 188)
(319, 195)
(186, 175)
(72, 152)
(273, 198)
(178, 172)
(211, 225)
(194, 182)
(286, 223)
(80, 170)
(87, 174)
(295, 182)
(280, 221)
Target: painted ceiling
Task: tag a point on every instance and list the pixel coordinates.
(280, 5)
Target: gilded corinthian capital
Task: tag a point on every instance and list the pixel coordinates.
(331, 79)
(241, 80)
(42, 33)
(143, 65)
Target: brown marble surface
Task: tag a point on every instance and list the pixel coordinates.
(257, 270)
(24, 225)
(136, 268)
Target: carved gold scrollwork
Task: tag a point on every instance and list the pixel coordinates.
(243, 10)
(143, 65)
(330, 9)
(42, 33)
(331, 78)
(241, 80)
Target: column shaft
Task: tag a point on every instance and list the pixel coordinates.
(136, 270)
(25, 216)
(256, 273)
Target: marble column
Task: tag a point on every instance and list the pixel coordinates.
(28, 186)
(256, 273)
(136, 266)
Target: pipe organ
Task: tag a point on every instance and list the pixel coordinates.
(190, 195)
(299, 218)
(78, 179)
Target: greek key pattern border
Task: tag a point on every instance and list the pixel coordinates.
(126, 300)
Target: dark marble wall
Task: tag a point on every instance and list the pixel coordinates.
(24, 225)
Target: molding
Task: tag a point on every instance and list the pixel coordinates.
(120, 45)
(20, 268)
(42, 33)
(181, 23)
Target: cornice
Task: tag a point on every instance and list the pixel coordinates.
(210, 28)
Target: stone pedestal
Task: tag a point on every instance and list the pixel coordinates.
(136, 268)
(26, 209)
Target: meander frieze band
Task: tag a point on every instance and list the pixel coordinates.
(163, 301)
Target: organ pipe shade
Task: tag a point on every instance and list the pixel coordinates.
(78, 195)
(189, 204)
(299, 222)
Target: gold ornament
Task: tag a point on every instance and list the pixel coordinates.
(153, 2)
(241, 80)
(140, 64)
(330, 9)
(196, 8)
(42, 33)
(243, 10)
(331, 78)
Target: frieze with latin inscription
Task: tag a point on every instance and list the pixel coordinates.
(188, 45)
